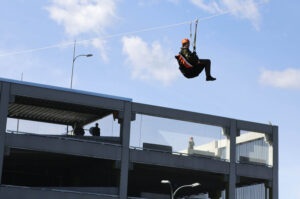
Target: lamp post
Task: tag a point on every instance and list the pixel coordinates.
(173, 193)
(73, 61)
(74, 58)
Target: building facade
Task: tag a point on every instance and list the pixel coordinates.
(68, 166)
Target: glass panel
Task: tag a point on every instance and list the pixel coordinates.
(252, 192)
(108, 127)
(178, 137)
(254, 147)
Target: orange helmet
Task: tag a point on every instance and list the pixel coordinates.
(184, 41)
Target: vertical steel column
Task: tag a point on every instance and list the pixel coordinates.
(275, 163)
(4, 100)
(232, 174)
(125, 137)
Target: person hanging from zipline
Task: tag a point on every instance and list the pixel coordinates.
(189, 63)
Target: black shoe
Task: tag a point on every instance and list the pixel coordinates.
(210, 78)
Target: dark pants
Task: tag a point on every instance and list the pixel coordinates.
(197, 69)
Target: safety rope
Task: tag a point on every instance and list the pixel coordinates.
(195, 37)
(191, 34)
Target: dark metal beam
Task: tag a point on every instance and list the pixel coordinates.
(13, 192)
(125, 137)
(4, 99)
(180, 115)
(254, 171)
(66, 97)
(275, 179)
(64, 145)
(232, 173)
(255, 127)
(179, 161)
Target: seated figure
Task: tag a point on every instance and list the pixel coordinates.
(189, 63)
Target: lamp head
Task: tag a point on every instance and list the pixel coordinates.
(89, 55)
(195, 184)
(165, 182)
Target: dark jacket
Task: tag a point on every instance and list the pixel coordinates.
(192, 58)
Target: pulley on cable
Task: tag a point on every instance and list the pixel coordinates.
(189, 63)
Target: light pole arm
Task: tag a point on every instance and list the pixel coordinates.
(179, 189)
(85, 55)
(77, 57)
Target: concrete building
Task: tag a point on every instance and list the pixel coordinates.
(65, 166)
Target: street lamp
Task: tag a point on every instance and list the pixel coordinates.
(173, 193)
(74, 58)
(73, 61)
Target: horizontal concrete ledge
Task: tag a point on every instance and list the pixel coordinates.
(67, 97)
(188, 116)
(18, 192)
(180, 115)
(179, 161)
(254, 171)
(63, 145)
(255, 127)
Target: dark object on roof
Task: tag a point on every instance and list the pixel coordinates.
(157, 147)
(78, 130)
(94, 131)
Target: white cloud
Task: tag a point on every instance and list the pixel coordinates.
(150, 62)
(209, 6)
(246, 9)
(154, 2)
(83, 16)
(289, 78)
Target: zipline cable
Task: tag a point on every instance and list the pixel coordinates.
(127, 33)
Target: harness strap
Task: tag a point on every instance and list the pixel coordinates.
(185, 63)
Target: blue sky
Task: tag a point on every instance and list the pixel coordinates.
(254, 52)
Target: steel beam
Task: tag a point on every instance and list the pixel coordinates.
(125, 137)
(13, 192)
(66, 97)
(179, 161)
(180, 115)
(4, 100)
(63, 145)
(253, 126)
(232, 173)
(254, 171)
(275, 186)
